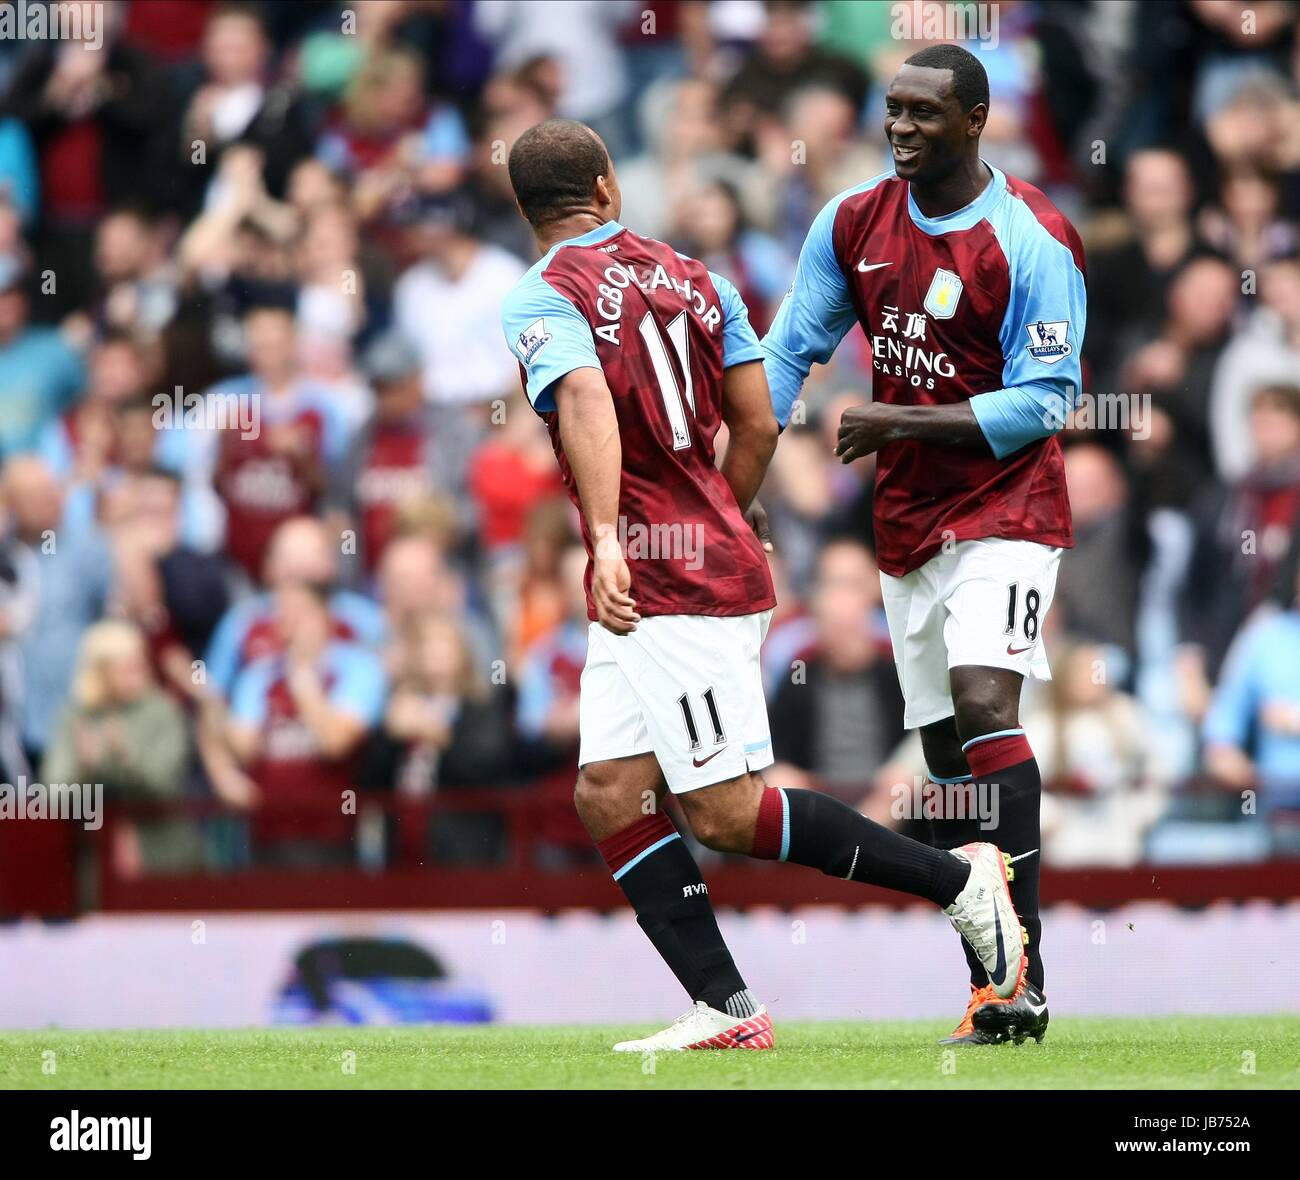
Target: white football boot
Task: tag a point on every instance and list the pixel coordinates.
(984, 916)
(706, 1028)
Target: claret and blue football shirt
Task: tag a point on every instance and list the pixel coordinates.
(986, 305)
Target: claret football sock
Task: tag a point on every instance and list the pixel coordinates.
(952, 831)
(661, 880)
(809, 828)
(1006, 760)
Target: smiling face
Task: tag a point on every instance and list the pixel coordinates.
(928, 132)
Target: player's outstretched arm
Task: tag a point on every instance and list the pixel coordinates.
(752, 430)
(589, 432)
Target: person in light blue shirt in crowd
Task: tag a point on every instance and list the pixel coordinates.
(72, 571)
(40, 375)
(1252, 730)
(20, 181)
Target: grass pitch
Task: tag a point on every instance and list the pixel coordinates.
(1175, 1053)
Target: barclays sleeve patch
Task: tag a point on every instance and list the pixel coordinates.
(1047, 341)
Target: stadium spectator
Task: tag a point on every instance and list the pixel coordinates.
(175, 595)
(1252, 732)
(577, 41)
(119, 729)
(547, 713)
(40, 375)
(301, 551)
(236, 103)
(1265, 351)
(685, 146)
(297, 723)
(407, 451)
(1129, 279)
(786, 59)
(1103, 787)
(71, 577)
(839, 713)
(446, 304)
(710, 225)
(511, 472)
(1097, 594)
(92, 110)
(137, 279)
(387, 142)
(445, 725)
(277, 470)
(1245, 530)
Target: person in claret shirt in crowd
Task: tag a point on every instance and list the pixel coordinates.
(386, 139)
(302, 550)
(92, 109)
(407, 451)
(277, 471)
(297, 723)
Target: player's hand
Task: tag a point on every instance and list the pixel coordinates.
(610, 582)
(756, 518)
(863, 430)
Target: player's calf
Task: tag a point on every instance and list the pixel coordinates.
(987, 703)
(660, 879)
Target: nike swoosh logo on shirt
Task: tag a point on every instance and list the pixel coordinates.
(1017, 651)
(698, 762)
(865, 266)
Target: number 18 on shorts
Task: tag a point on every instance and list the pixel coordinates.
(982, 603)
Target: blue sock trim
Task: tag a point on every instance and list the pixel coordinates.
(959, 778)
(785, 825)
(640, 856)
(987, 737)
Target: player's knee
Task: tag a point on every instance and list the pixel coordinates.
(984, 708)
(593, 791)
(721, 829)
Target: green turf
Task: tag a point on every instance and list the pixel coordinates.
(1182, 1052)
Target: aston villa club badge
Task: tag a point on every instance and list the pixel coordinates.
(944, 294)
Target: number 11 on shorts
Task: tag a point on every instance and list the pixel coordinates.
(688, 716)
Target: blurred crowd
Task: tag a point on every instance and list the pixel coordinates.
(376, 593)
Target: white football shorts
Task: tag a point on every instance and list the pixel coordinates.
(984, 602)
(686, 688)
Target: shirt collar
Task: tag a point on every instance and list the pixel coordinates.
(602, 233)
(965, 217)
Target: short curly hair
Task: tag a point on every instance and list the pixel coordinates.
(553, 167)
(970, 82)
